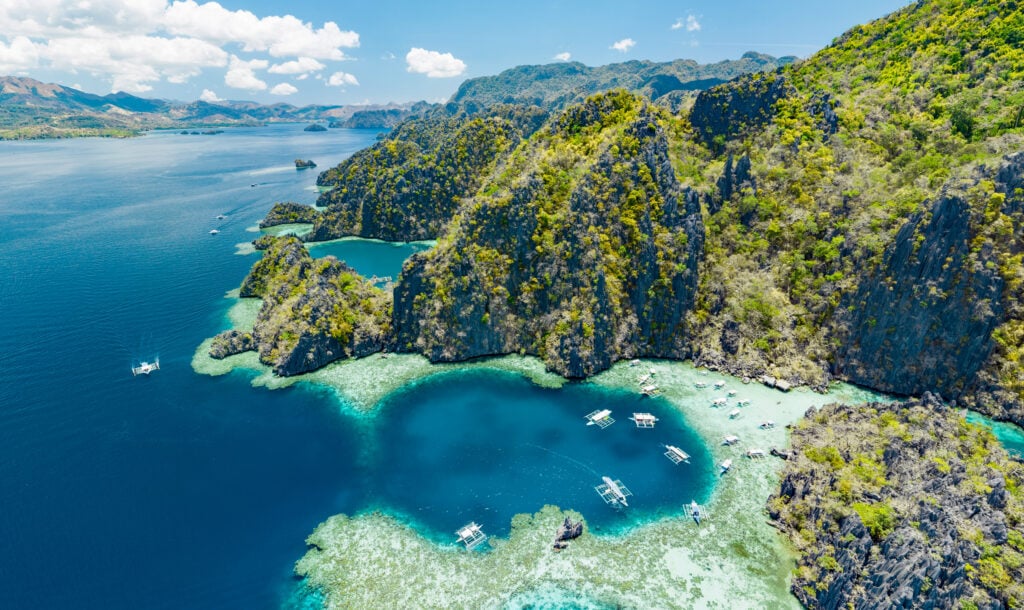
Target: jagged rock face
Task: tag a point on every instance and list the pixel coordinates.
(231, 342)
(747, 103)
(924, 320)
(893, 506)
(408, 186)
(314, 311)
(735, 178)
(580, 261)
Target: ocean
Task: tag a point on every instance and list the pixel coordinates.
(179, 490)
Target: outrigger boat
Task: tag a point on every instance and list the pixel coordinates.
(726, 465)
(676, 454)
(613, 492)
(145, 368)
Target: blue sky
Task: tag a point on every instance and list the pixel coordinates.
(375, 51)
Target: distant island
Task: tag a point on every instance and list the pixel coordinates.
(30, 109)
(315, 127)
(300, 164)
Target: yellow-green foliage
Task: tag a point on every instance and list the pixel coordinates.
(913, 104)
(884, 463)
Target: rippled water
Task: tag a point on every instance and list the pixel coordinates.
(184, 491)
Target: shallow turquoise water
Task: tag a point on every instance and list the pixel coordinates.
(185, 491)
(1011, 436)
(372, 257)
(482, 445)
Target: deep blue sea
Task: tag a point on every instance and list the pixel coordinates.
(184, 491)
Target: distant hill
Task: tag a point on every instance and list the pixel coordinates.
(555, 86)
(33, 109)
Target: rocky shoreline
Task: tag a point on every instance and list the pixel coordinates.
(902, 505)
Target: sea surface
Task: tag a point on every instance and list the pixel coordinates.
(184, 491)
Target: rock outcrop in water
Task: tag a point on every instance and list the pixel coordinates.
(580, 258)
(902, 506)
(314, 311)
(288, 212)
(231, 342)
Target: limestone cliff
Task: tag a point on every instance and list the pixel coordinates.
(408, 186)
(314, 311)
(902, 506)
(582, 250)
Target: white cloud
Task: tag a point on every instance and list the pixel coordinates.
(284, 36)
(22, 54)
(565, 56)
(302, 65)
(389, 56)
(433, 64)
(241, 74)
(283, 89)
(340, 79)
(623, 45)
(133, 43)
(130, 62)
(209, 97)
(690, 23)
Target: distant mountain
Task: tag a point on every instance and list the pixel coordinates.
(558, 85)
(33, 109)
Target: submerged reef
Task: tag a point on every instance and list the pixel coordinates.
(732, 559)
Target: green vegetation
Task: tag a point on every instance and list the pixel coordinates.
(580, 249)
(408, 186)
(827, 190)
(314, 311)
(902, 491)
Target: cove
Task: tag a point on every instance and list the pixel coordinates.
(1010, 435)
(370, 257)
(483, 445)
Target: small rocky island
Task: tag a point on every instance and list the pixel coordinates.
(288, 212)
(315, 127)
(300, 164)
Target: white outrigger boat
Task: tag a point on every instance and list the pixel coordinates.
(145, 368)
(676, 455)
(726, 465)
(601, 418)
(471, 535)
(731, 440)
(644, 420)
(613, 492)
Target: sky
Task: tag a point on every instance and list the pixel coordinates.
(376, 51)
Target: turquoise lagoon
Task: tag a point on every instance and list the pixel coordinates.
(182, 490)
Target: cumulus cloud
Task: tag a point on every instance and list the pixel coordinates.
(130, 62)
(22, 54)
(133, 43)
(302, 65)
(340, 79)
(623, 45)
(280, 36)
(283, 89)
(692, 25)
(433, 64)
(566, 56)
(241, 74)
(209, 97)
